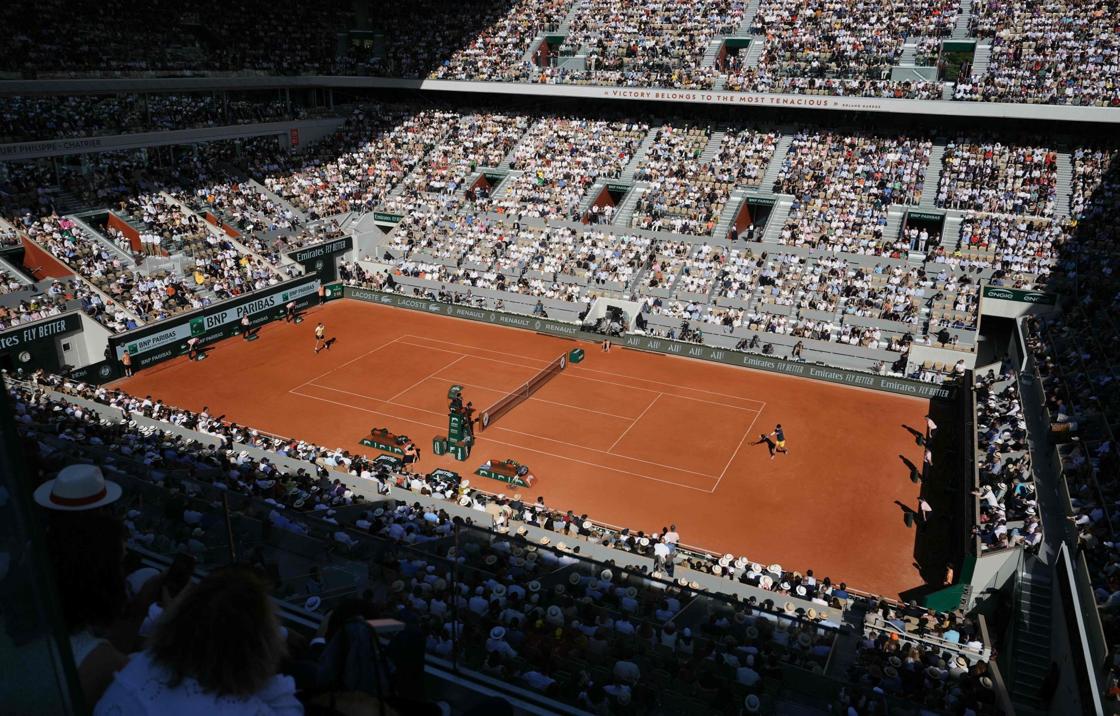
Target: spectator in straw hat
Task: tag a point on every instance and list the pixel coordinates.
(77, 488)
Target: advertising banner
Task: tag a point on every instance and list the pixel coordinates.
(322, 259)
(902, 386)
(152, 344)
(22, 336)
(1020, 296)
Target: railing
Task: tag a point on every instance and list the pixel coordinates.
(1003, 697)
(932, 642)
(971, 463)
(246, 534)
(688, 551)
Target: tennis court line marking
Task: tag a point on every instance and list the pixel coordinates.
(469, 385)
(425, 379)
(674, 385)
(600, 380)
(737, 449)
(519, 432)
(593, 370)
(353, 360)
(512, 445)
(479, 348)
(640, 416)
(539, 400)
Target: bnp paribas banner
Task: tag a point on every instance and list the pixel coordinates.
(152, 344)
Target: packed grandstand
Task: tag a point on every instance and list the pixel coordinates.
(969, 263)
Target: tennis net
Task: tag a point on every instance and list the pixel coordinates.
(521, 392)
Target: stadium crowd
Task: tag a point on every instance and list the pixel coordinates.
(389, 144)
(842, 185)
(687, 192)
(998, 178)
(841, 48)
(1008, 503)
(475, 140)
(1019, 249)
(1053, 53)
(147, 297)
(541, 614)
(54, 39)
(423, 36)
(29, 118)
(497, 53)
(219, 264)
(1056, 54)
(660, 43)
(1072, 358)
(38, 304)
(560, 159)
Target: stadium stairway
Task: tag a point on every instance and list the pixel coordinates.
(748, 17)
(981, 58)
(66, 202)
(531, 50)
(730, 209)
(398, 188)
(566, 24)
(960, 29)
(279, 200)
(895, 214)
(712, 52)
(777, 219)
(775, 166)
(754, 51)
(506, 163)
(1064, 170)
(846, 649)
(909, 52)
(1031, 650)
(951, 230)
(625, 212)
(585, 202)
(503, 188)
(713, 146)
(933, 175)
(640, 155)
(102, 240)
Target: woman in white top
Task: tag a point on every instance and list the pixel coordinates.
(215, 651)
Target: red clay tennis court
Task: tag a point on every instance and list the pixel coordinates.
(628, 437)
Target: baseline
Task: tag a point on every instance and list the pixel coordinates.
(737, 449)
(640, 416)
(352, 360)
(426, 378)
